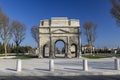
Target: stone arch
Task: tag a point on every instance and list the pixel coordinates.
(67, 30)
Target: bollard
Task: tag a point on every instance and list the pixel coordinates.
(51, 65)
(18, 65)
(116, 64)
(85, 65)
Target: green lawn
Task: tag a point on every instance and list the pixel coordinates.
(97, 56)
(1, 55)
(93, 56)
(25, 57)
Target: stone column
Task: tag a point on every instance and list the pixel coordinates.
(18, 65)
(79, 44)
(51, 65)
(78, 51)
(116, 64)
(68, 48)
(85, 65)
(40, 50)
(43, 51)
(51, 49)
(65, 51)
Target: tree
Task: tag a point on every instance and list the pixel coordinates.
(5, 30)
(18, 32)
(22, 49)
(1, 48)
(35, 34)
(115, 10)
(90, 32)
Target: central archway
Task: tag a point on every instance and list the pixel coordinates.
(59, 48)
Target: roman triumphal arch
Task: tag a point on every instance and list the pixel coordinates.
(59, 29)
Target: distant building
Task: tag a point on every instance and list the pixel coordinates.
(87, 48)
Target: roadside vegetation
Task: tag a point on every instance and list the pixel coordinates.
(25, 57)
(98, 56)
(12, 49)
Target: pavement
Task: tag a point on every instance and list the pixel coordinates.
(63, 67)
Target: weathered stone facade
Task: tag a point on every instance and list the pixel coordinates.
(59, 29)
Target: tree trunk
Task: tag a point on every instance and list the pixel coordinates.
(5, 48)
(91, 51)
(17, 46)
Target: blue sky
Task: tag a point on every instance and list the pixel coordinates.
(30, 12)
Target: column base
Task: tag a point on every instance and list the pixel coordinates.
(52, 56)
(40, 56)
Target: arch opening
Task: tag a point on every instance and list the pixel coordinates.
(74, 50)
(45, 51)
(60, 48)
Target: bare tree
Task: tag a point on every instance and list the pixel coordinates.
(90, 32)
(115, 10)
(5, 29)
(18, 32)
(35, 34)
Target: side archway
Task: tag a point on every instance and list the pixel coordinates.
(45, 51)
(73, 50)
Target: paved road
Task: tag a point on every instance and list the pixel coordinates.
(117, 77)
(63, 67)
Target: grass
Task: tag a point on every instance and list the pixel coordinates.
(93, 56)
(19, 57)
(97, 56)
(1, 55)
(25, 57)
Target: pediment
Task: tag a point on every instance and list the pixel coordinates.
(60, 31)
